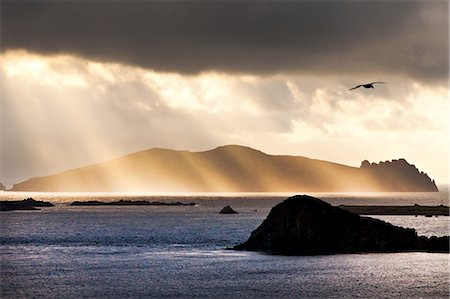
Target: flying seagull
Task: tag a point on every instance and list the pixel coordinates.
(368, 85)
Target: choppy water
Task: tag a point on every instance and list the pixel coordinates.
(166, 252)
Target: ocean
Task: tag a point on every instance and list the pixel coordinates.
(181, 251)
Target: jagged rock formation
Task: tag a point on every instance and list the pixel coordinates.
(400, 175)
(26, 204)
(228, 210)
(304, 225)
(229, 169)
(2, 187)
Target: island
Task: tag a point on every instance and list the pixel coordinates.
(414, 210)
(25, 204)
(304, 225)
(231, 168)
(130, 203)
(398, 174)
(2, 187)
(228, 210)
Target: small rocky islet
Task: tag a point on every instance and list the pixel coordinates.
(304, 225)
(228, 210)
(26, 204)
(32, 204)
(130, 203)
(414, 210)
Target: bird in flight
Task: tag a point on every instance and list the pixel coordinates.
(368, 85)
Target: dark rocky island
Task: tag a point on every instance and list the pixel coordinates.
(26, 204)
(2, 187)
(228, 210)
(304, 225)
(130, 203)
(440, 210)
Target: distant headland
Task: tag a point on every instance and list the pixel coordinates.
(231, 168)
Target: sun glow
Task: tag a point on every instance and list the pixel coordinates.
(53, 72)
(64, 111)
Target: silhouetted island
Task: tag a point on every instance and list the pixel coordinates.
(440, 210)
(26, 204)
(304, 225)
(228, 210)
(2, 187)
(399, 175)
(130, 203)
(231, 168)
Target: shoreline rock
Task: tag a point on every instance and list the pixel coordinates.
(304, 225)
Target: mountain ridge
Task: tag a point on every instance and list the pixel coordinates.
(230, 168)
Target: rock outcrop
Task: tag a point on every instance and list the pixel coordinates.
(2, 187)
(228, 210)
(26, 204)
(399, 175)
(304, 225)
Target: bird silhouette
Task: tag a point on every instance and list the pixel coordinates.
(368, 85)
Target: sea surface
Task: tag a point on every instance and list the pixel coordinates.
(181, 251)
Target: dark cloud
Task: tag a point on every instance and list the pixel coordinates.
(352, 37)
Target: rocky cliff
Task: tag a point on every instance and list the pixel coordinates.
(304, 225)
(399, 175)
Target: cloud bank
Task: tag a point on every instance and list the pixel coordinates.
(405, 38)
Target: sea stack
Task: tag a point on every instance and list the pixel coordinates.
(228, 210)
(304, 225)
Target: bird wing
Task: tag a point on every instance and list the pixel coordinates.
(377, 82)
(355, 87)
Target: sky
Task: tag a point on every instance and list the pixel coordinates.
(87, 81)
